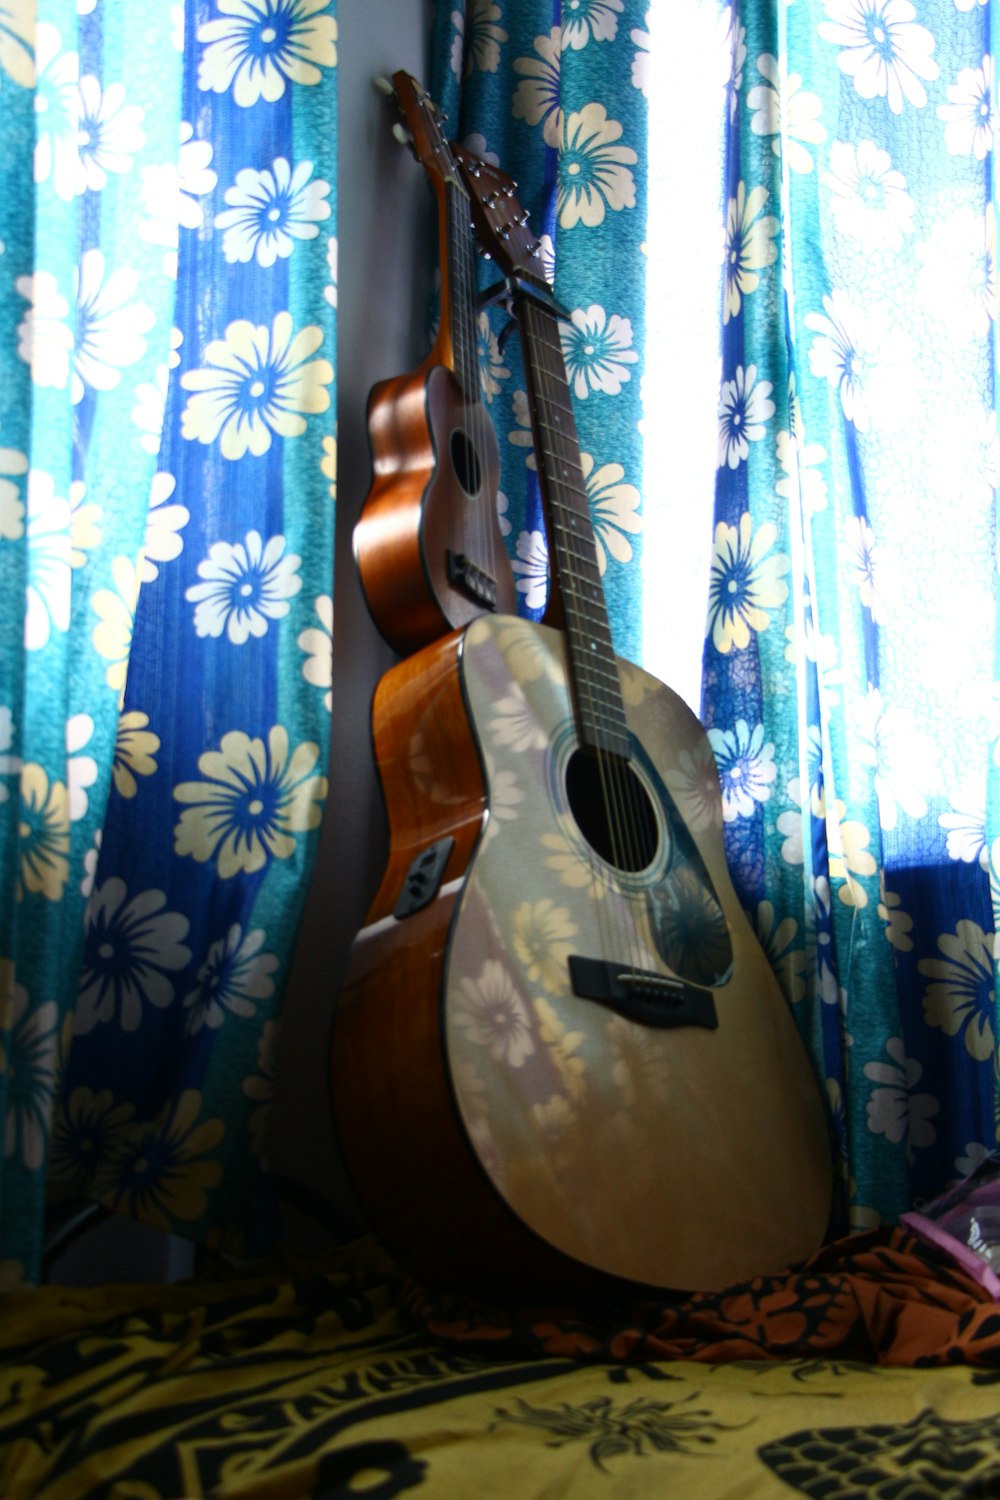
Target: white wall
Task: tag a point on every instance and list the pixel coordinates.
(387, 257)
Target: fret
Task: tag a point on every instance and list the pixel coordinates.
(570, 474)
(559, 407)
(557, 425)
(601, 682)
(593, 665)
(571, 520)
(593, 637)
(585, 602)
(586, 652)
(593, 625)
(586, 583)
(569, 535)
(613, 741)
(458, 274)
(577, 555)
(585, 590)
(557, 436)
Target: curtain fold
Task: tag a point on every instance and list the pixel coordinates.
(849, 674)
(167, 296)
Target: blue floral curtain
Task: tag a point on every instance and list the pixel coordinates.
(555, 95)
(167, 471)
(849, 680)
(849, 667)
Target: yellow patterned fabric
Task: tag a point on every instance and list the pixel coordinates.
(307, 1382)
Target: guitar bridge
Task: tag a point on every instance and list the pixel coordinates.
(472, 579)
(643, 995)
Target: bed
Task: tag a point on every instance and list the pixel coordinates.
(869, 1370)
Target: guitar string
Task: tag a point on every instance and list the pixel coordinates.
(487, 206)
(467, 362)
(617, 785)
(626, 803)
(547, 461)
(456, 299)
(464, 325)
(616, 781)
(620, 791)
(486, 512)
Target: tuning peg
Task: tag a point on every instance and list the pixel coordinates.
(383, 85)
(403, 136)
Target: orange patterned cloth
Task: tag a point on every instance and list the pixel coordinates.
(303, 1381)
(883, 1297)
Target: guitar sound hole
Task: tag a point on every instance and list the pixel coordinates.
(612, 809)
(465, 462)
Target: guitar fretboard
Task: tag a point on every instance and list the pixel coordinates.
(459, 289)
(596, 684)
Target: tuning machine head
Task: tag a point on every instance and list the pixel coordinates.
(403, 136)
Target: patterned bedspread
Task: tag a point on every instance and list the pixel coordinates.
(873, 1370)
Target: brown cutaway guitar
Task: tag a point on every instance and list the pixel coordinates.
(427, 543)
(561, 1061)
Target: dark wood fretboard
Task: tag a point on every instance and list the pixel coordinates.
(458, 287)
(572, 552)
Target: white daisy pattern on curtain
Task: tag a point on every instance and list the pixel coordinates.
(254, 799)
(271, 209)
(258, 47)
(245, 586)
(256, 382)
(849, 550)
(166, 444)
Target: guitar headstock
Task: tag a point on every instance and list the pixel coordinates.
(423, 131)
(501, 223)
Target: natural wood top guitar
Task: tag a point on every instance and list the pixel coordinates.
(427, 543)
(561, 1060)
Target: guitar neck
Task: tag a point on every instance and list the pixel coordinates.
(573, 556)
(455, 344)
(458, 289)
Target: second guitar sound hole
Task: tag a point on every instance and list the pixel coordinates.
(465, 462)
(612, 809)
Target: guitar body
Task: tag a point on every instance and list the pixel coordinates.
(527, 1108)
(427, 543)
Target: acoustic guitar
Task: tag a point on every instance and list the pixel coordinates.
(427, 543)
(561, 1062)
